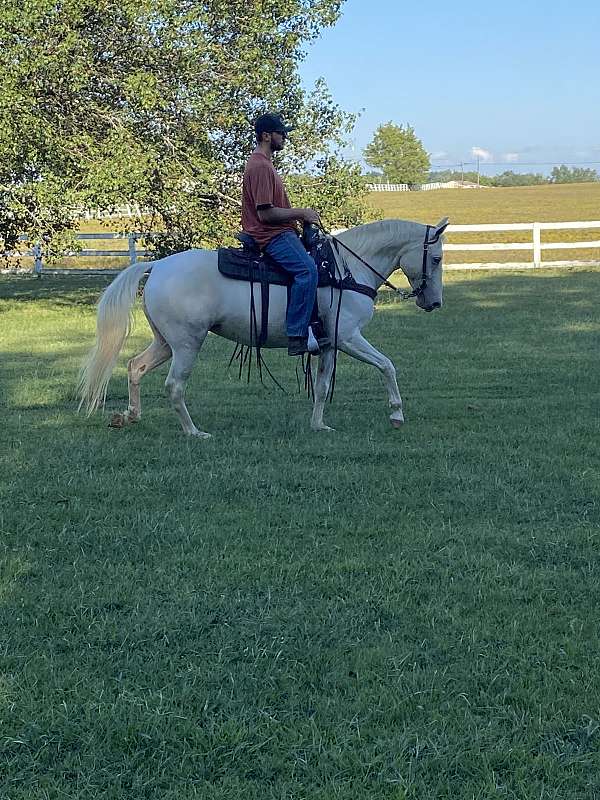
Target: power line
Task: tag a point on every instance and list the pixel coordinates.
(517, 164)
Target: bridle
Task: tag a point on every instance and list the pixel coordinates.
(401, 292)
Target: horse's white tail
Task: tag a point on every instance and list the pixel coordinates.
(113, 325)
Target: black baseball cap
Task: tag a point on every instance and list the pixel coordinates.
(271, 123)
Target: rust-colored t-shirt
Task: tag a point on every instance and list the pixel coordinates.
(262, 188)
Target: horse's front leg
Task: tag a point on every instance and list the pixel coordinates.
(326, 360)
(358, 347)
(181, 368)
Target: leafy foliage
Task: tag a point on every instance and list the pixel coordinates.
(151, 103)
(469, 176)
(337, 189)
(398, 153)
(507, 178)
(564, 174)
(510, 178)
(560, 174)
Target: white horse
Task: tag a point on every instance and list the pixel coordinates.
(186, 296)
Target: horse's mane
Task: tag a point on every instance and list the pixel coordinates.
(378, 237)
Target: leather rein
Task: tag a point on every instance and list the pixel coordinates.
(401, 292)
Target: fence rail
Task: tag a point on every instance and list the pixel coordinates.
(132, 253)
(535, 245)
(421, 187)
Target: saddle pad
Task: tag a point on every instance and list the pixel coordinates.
(246, 264)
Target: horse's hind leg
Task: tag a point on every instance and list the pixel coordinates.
(181, 368)
(153, 356)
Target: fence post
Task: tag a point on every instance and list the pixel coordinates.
(37, 255)
(537, 245)
(132, 253)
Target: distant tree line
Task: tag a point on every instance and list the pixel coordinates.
(562, 174)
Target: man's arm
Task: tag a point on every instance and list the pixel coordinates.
(275, 216)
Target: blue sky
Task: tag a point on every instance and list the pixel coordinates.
(520, 81)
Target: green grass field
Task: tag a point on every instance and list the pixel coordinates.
(280, 615)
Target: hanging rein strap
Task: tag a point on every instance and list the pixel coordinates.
(403, 294)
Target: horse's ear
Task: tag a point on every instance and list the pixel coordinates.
(441, 226)
(438, 230)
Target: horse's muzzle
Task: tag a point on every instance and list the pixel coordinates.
(433, 306)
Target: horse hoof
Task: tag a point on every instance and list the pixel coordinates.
(201, 435)
(324, 428)
(397, 423)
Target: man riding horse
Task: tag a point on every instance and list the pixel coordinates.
(267, 216)
(189, 294)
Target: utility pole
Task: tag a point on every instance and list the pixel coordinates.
(478, 172)
(462, 172)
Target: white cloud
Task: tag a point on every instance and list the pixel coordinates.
(479, 152)
(511, 157)
(440, 154)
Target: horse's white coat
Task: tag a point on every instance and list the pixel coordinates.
(186, 296)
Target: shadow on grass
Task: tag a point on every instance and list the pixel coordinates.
(507, 286)
(71, 290)
(512, 286)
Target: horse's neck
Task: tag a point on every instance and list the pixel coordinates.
(380, 244)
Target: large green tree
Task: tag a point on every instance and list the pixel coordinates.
(398, 153)
(151, 102)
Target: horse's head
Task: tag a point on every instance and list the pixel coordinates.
(422, 265)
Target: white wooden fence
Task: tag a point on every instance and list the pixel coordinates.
(404, 187)
(388, 187)
(536, 246)
(132, 253)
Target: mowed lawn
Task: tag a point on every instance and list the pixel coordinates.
(372, 614)
(545, 203)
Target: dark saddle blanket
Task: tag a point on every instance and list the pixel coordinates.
(248, 263)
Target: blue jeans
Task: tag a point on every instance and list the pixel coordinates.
(288, 251)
